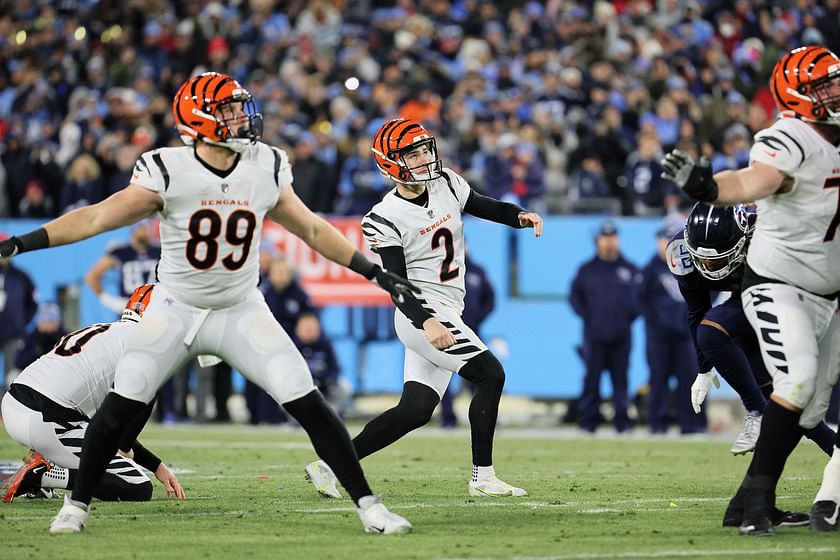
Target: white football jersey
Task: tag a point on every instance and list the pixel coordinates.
(211, 225)
(79, 372)
(432, 236)
(796, 236)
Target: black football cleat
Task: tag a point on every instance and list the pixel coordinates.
(824, 515)
(758, 509)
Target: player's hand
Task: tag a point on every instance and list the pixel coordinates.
(531, 219)
(701, 387)
(8, 248)
(397, 286)
(170, 482)
(437, 334)
(694, 178)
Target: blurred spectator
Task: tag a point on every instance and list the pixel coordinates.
(36, 203)
(17, 307)
(644, 189)
(361, 184)
(314, 180)
(41, 339)
(605, 295)
(514, 173)
(319, 354)
(84, 185)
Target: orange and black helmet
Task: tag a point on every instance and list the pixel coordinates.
(203, 111)
(137, 302)
(397, 137)
(804, 85)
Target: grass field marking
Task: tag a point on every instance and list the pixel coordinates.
(665, 554)
(213, 443)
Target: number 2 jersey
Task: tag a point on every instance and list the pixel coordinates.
(211, 222)
(795, 239)
(79, 371)
(432, 236)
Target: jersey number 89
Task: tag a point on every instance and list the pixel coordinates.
(211, 222)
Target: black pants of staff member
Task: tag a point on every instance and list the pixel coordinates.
(613, 357)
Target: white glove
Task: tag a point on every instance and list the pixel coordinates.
(700, 388)
(112, 302)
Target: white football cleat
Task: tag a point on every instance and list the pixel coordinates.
(746, 440)
(70, 519)
(322, 478)
(495, 488)
(377, 519)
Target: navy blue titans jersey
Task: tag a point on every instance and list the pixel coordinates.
(135, 268)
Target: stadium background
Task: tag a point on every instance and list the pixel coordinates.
(563, 106)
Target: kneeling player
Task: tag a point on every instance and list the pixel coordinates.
(50, 403)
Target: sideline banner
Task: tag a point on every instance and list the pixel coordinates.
(326, 282)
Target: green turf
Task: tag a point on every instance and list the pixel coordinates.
(628, 497)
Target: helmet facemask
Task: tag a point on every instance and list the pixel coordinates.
(715, 265)
(238, 126)
(825, 96)
(412, 173)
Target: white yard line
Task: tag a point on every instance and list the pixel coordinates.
(725, 552)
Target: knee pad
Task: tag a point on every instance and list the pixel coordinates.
(710, 338)
(417, 404)
(484, 368)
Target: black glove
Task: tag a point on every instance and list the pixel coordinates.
(397, 286)
(9, 248)
(694, 178)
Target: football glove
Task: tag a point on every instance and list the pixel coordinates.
(701, 387)
(694, 178)
(397, 286)
(8, 248)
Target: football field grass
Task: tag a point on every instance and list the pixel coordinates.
(590, 498)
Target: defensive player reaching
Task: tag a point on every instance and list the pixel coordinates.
(49, 405)
(792, 274)
(212, 196)
(417, 230)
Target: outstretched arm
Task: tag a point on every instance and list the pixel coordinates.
(500, 212)
(291, 213)
(122, 208)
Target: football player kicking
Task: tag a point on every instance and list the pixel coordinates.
(49, 405)
(212, 196)
(418, 232)
(792, 274)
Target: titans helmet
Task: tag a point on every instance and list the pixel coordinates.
(717, 238)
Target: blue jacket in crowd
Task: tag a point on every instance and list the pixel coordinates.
(605, 294)
(288, 304)
(17, 302)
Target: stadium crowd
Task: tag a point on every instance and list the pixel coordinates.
(562, 106)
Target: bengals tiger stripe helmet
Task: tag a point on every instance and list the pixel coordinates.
(137, 302)
(394, 140)
(203, 111)
(804, 85)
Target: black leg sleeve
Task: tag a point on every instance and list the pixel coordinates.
(331, 441)
(101, 441)
(414, 410)
(780, 432)
(488, 376)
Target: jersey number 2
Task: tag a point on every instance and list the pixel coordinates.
(833, 183)
(444, 236)
(212, 231)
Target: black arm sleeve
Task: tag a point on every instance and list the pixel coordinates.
(393, 260)
(494, 210)
(145, 458)
(699, 301)
(133, 429)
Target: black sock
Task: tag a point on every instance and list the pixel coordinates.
(101, 441)
(488, 376)
(417, 403)
(331, 441)
(780, 432)
(823, 436)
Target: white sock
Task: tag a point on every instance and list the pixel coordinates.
(482, 473)
(830, 487)
(367, 501)
(56, 477)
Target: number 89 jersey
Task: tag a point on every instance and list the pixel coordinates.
(431, 236)
(211, 223)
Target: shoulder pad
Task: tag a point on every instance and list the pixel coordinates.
(677, 257)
